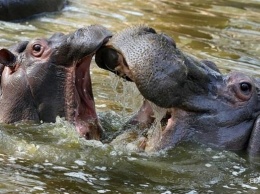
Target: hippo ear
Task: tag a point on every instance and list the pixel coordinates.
(7, 58)
(254, 142)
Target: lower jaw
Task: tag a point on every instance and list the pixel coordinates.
(156, 136)
(80, 103)
(146, 140)
(89, 128)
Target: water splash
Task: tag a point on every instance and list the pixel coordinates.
(155, 132)
(127, 95)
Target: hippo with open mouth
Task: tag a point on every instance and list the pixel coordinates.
(199, 103)
(45, 78)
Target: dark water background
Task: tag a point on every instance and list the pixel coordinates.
(50, 158)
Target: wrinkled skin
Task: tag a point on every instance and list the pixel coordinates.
(45, 78)
(22, 9)
(200, 103)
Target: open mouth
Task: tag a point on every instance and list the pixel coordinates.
(85, 116)
(163, 123)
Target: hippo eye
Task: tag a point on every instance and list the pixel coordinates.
(245, 87)
(37, 47)
(37, 50)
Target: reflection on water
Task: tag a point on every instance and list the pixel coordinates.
(50, 158)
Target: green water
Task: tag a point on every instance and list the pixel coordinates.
(50, 158)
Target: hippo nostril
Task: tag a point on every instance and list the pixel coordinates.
(150, 30)
(169, 39)
(245, 87)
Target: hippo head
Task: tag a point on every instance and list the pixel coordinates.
(45, 78)
(201, 104)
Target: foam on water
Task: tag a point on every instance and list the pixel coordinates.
(45, 142)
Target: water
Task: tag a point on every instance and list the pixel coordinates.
(50, 158)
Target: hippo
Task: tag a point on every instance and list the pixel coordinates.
(21, 9)
(197, 102)
(45, 78)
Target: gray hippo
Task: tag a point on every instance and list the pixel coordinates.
(21, 9)
(45, 78)
(200, 104)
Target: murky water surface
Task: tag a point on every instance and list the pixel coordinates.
(50, 158)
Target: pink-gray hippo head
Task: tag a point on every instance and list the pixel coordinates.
(201, 104)
(45, 78)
